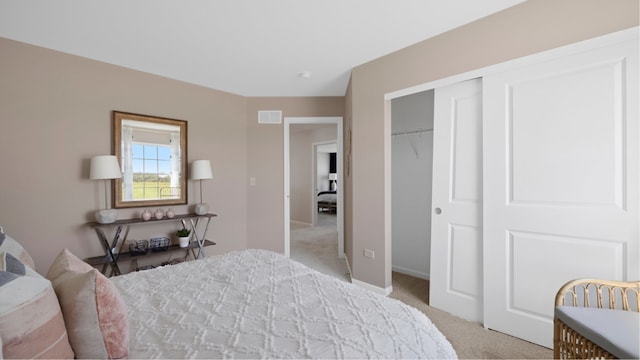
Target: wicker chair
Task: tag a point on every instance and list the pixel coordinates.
(590, 293)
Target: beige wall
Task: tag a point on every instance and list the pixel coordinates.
(265, 205)
(525, 29)
(301, 140)
(347, 176)
(300, 178)
(55, 114)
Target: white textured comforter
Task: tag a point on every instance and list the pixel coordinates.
(259, 304)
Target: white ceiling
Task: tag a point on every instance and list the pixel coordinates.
(246, 47)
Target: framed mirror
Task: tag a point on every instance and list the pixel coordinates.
(152, 152)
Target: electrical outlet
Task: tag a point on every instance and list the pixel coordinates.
(369, 253)
(252, 181)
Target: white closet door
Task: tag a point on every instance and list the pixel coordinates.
(561, 183)
(456, 236)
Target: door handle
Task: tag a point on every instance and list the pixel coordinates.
(437, 210)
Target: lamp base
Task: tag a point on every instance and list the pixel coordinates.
(106, 216)
(202, 208)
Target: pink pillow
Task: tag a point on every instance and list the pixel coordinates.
(94, 312)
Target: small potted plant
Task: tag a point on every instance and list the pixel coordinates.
(183, 237)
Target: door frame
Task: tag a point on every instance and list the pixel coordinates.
(509, 64)
(314, 180)
(288, 121)
(562, 50)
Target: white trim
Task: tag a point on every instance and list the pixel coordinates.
(287, 181)
(301, 223)
(589, 44)
(411, 272)
(382, 291)
(346, 260)
(546, 55)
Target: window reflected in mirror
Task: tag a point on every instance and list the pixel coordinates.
(152, 155)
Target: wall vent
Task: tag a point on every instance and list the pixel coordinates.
(270, 117)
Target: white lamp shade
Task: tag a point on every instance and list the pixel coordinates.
(201, 169)
(105, 167)
(333, 176)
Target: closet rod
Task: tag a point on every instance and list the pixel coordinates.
(412, 132)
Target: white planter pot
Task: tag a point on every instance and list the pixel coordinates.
(184, 241)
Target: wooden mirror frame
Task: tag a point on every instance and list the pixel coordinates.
(118, 149)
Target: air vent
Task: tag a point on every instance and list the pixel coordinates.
(270, 117)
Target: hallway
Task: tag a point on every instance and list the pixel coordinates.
(317, 247)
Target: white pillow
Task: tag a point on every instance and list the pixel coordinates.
(9, 245)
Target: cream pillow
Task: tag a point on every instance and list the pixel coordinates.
(64, 262)
(94, 312)
(31, 323)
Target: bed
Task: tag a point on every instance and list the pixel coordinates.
(327, 201)
(243, 304)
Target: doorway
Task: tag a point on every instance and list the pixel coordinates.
(554, 193)
(325, 183)
(288, 123)
(411, 178)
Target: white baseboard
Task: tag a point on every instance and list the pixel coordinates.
(346, 260)
(376, 289)
(362, 284)
(301, 223)
(411, 272)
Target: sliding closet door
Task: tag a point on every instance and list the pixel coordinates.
(561, 183)
(456, 236)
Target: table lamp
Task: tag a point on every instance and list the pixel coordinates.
(333, 179)
(105, 167)
(201, 170)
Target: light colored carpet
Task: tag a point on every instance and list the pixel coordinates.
(470, 340)
(317, 247)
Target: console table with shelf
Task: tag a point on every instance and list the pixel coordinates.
(111, 257)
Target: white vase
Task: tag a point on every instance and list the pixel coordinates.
(184, 241)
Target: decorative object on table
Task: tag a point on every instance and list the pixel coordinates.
(159, 244)
(333, 181)
(105, 167)
(170, 214)
(146, 215)
(183, 236)
(159, 214)
(201, 170)
(138, 247)
(120, 232)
